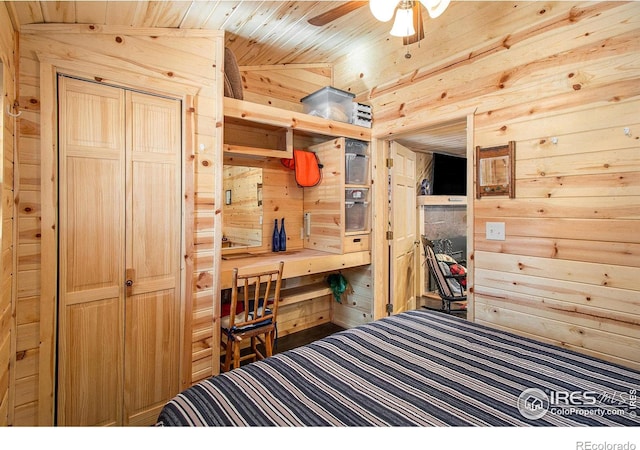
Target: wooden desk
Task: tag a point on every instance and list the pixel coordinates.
(296, 263)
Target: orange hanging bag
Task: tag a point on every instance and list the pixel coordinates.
(308, 170)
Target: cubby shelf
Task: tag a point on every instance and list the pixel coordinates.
(277, 129)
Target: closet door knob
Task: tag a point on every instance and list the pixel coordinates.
(130, 275)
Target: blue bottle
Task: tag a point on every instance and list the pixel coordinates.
(283, 237)
(275, 240)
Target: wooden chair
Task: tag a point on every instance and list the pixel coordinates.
(449, 291)
(252, 315)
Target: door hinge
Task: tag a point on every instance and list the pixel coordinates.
(389, 163)
(389, 308)
(389, 235)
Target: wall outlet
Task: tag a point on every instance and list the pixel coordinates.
(495, 231)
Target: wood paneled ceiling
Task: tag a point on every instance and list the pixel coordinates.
(449, 138)
(259, 32)
(264, 33)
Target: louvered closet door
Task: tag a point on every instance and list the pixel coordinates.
(119, 231)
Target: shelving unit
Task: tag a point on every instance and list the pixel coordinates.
(337, 211)
(277, 131)
(259, 135)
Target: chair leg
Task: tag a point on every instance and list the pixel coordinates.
(254, 348)
(227, 355)
(268, 344)
(236, 355)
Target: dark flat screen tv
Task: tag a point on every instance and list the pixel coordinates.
(449, 175)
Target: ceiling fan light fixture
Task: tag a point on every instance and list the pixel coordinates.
(435, 7)
(403, 25)
(383, 9)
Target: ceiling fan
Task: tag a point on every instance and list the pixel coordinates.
(384, 10)
(335, 13)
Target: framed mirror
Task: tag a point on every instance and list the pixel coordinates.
(496, 170)
(242, 209)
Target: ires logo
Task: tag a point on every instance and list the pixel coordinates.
(534, 403)
(578, 398)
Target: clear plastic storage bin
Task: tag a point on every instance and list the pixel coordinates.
(356, 214)
(356, 195)
(357, 168)
(330, 103)
(355, 146)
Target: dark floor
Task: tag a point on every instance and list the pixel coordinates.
(304, 337)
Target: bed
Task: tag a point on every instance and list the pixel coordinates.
(418, 368)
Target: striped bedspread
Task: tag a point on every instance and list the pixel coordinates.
(419, 368)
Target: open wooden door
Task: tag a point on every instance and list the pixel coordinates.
(404, 241)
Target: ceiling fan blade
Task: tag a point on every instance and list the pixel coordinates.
(335, 13)
(417, 25)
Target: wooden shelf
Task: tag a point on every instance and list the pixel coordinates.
(435, 200)
(302, 123)
(242, 150)
(305, 292)
(244, 137)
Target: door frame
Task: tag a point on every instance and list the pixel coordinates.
(381, 217)
(49, 71)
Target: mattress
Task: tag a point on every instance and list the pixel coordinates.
(419, 368)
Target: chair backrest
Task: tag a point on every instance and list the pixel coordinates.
(441, 278)
(255, 297)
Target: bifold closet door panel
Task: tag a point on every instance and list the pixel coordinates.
(152, 336)
(91, 252)
(120, 254)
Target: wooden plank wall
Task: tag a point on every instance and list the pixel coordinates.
(356, 304)
(7, 158)
(300, 315)
(282, 198)
(129, 57)
(283, 86)
(564, 83)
